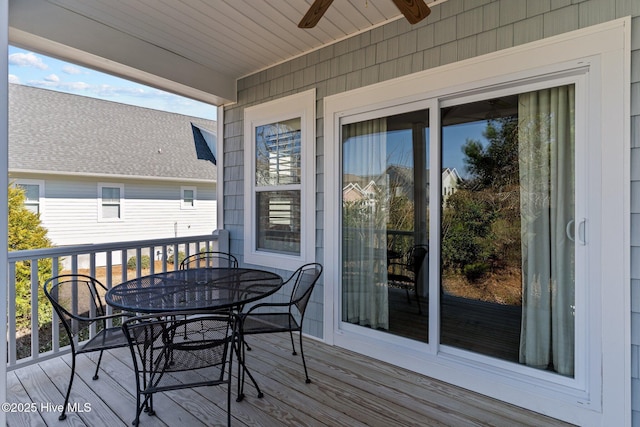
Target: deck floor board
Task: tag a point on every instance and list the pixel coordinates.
(346, 389)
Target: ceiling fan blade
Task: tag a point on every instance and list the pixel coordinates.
(414, 10)
(315, 12)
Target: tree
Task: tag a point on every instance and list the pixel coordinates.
(27, 232)
(481, 229)
(496, 165)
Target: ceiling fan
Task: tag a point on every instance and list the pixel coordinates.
(414, 10)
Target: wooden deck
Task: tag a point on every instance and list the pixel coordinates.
(347, 389)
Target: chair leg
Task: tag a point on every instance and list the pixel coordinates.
(292, 344)
(229, 380)
(239, 348)
(304, 364)
(143, 407)
(150, 410)
(136, 421)
(63, 415)
(95, 374)
(229, 403)
(253, 380)
(242, 371)
(418, 301)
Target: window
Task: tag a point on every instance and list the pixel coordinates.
(33, 191)
(278, 167)
(279, 181)
(188, 200)
(110, 202)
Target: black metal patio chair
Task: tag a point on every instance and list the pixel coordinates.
(273, 317)
(209, 259)
(170, 354)
(77, 300)
(405, 274)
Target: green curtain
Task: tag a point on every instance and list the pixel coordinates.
(547, 200)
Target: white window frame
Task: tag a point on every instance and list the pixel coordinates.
(102, 185)
(300, 105)
(40, 184)
(601, 393)
(183, 204)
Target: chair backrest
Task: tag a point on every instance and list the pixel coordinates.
(199, 344)
(416, 257)
(305, 279)
(209, 259)
(77, 299)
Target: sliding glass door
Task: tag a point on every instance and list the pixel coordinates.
(505, 279)
(385, 213)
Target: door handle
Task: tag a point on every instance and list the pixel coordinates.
(568, 230)
(582, 231)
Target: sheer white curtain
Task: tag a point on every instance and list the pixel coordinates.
(364, 279)
(546, 149)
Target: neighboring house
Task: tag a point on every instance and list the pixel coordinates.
(400, 180)
(99, 171)
(450, 182)
(352, 192)
(568, 70)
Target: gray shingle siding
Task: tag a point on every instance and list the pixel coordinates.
(57, 132)
(455, 30)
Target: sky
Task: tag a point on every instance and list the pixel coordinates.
(33, 69)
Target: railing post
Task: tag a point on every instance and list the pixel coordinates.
(223, 239)
(35, 284)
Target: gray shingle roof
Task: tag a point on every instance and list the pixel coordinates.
(57, 132)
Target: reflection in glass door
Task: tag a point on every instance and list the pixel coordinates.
(508, 229)
(385, 217)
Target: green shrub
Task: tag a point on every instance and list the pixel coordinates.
(145, 262)
(26, 232)
(181, 257)
(475, 271)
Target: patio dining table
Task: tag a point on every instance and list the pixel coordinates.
(193, 289)
(197, 290)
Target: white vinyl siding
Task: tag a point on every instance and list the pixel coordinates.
(150, 211)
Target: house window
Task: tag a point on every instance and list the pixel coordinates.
(33, 193)
(277, 187)
(110, 202)
(188, 200)
(279, 172)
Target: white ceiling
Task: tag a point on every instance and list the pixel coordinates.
(202, 46)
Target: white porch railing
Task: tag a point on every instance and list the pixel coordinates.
(89, 259)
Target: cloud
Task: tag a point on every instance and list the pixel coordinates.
(14, 79)
(70, 69)
(27, 60)
(53, 82)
